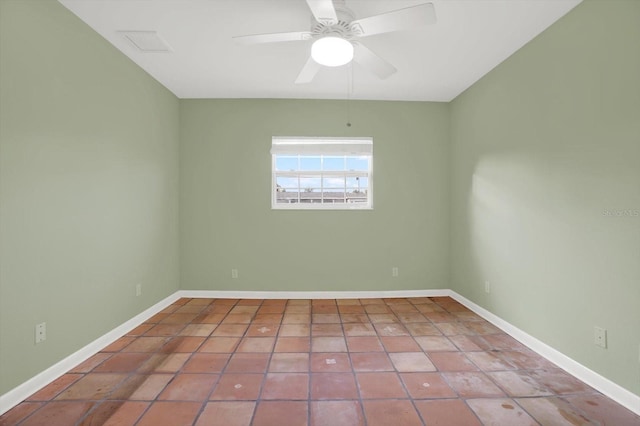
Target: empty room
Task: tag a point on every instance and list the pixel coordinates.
(319, 212)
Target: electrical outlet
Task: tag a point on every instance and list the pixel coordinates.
(234, 273)
(138, 290)
(487, 287)
(600, 337)
(394, 271)
(41, 332)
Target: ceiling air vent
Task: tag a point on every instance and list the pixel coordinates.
(146, 41)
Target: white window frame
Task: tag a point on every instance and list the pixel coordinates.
(324, 146)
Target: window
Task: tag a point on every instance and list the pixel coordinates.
(321, 173)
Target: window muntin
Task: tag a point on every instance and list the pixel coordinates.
(327, 173)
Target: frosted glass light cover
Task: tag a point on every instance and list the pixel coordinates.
(332, 51)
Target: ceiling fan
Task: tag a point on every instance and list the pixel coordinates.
(336, 33)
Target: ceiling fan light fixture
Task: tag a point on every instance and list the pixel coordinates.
(332, 51)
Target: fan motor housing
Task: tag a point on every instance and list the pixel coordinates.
(341, 29)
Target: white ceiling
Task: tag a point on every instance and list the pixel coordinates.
(435, 63)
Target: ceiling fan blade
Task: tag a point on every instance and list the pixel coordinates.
(323, 11)
(308, 72)
(398, 20)
(374, 63)
(273, 37)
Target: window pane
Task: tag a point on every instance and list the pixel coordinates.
(287, 182)
(360, 183)
(309, 163)
(286, 163)
(333, 183)
(333, 163)
(307, 183)
(358, 163)
(287, 197)
(332, 197)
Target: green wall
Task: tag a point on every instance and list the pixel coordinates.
(546, 188)
(88, 187)
(227, 222)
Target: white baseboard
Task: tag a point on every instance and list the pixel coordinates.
(590, 377)
(593, 379)
(23, 391)
(311, 294)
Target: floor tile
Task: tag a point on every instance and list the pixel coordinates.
(115, 413)
(487, 361)
(91, 363)
(469, 343)
(263, 330)
(189, 387)
(200, 330)
(19, 412)
(336, 413)
(371, 361)
(560, 381)
(227, 413)
(294, 330)
(146, 344)
(123, 363)
(164, 363)
(230, 330)
(327, 330)
(604, 410)
(482, 327)
(411, 361)
(206, 363)
(504, 342)
(554, 412)
(364, 344)
(54, 388)
(272, 413)
(391, 412)
(325, 318)
(328, 362)
(453, 328)
(333, 386)
(435, 343)
(165, 330)
(256, 344)
(291, 386)
(380, 385)
(472, 384)
(237, 387)
(390, 330)
(399, 344)
(145, 387)
(328, 344)
(293, 344)
(517, 383)
(93, 386)
(58, 413)
(500, 412)
(296, 319)
(427, 385)
(220, 344)
(448, 412)
(119, 344)
(289, 363)
(170, 413)
(365, 329)
(248, 363)
(422, 329)
(452, 361)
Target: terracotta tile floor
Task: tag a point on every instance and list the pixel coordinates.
(417, 361)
